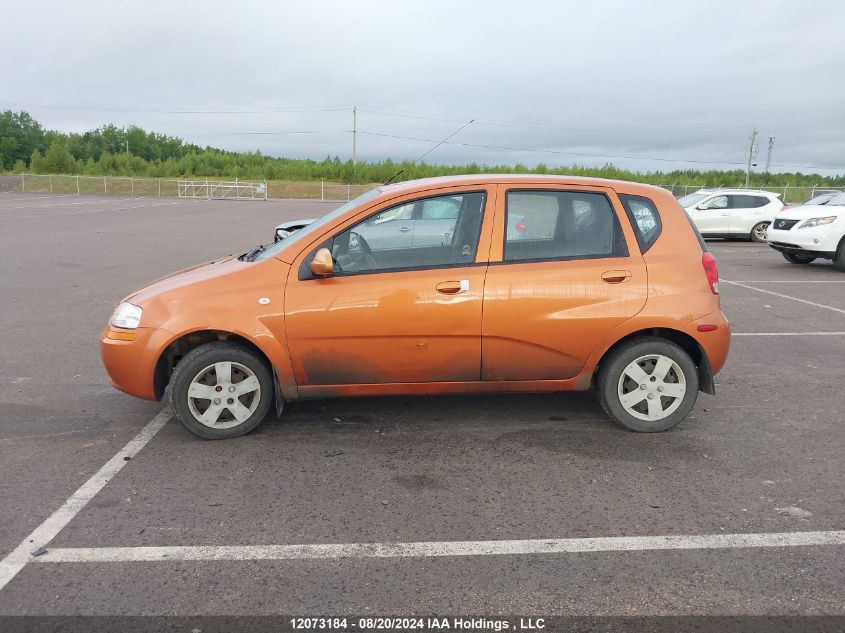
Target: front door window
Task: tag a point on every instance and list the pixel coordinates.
(432, 232)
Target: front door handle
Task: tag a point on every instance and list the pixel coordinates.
(615, 276)
(405, 229)
(453, 287)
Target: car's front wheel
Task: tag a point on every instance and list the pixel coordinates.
(648, 385)
(839, 259)
(759, 232)
(221, 390)
(792, 258)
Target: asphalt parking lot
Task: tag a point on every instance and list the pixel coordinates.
(762, 457)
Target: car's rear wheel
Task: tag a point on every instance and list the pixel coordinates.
(221, 390)
(792, 258)
(648, 385)
(758, 233)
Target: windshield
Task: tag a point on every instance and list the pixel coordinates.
(837, 201)
(822, 198)
(692, 199)
(316, 226)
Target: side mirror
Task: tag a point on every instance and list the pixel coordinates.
(702, 207)
(322, 264)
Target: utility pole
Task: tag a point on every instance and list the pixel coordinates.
(769, 155)
(752, 152)
(127, 146)
(354, 136)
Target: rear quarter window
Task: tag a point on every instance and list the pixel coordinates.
(644, 218)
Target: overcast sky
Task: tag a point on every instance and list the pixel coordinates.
(586, 82)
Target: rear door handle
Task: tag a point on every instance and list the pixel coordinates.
(453, 287)
(405, 229)
(615, 276)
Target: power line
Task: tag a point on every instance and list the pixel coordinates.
(415, 115)
(178, 111)
(548, 151)
(271, 133)
(409, 115)
(511, 124)
(419, 158)
(588, 155)
(398, 113)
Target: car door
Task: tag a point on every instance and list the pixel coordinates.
(395, 315)
(555, 291)
(745, 212)
(712, 215)
(768, 206)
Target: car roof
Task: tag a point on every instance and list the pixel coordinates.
(483, 179)
(745, 192)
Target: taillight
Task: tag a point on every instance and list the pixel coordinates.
(520, 226)
(711, 270)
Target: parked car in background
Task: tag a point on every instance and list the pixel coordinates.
(738, 213)
(608, 284)
(286, 229)
(819, 199)
(427, 224)
(822, 198)
(809, 232)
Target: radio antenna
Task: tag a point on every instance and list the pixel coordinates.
(416, 160)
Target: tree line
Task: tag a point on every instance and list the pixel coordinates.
(25, 146)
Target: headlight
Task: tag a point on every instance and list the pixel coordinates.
(126, 316)
(817, 222)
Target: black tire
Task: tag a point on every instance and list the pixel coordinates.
(612, 367)
(758, 232)
(839, 260)
(793, 258)
(202, 357)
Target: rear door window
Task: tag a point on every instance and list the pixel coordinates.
(552, 225)
(739, 201)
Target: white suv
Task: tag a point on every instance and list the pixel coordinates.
(803, 234)
(732, 212)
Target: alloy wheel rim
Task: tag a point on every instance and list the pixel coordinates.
(223, 395)
(762, 231)
(652, 387)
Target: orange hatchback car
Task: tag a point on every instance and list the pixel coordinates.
(444, 285)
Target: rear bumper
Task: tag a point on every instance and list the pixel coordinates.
(716, 343)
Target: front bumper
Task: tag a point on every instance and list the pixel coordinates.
(131, 364)
(818, 242)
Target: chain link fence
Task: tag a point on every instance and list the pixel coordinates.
(315, 190)
(173, 188)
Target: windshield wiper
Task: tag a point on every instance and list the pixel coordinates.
(251, 255)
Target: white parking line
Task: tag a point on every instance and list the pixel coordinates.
(783, 296)
(46, 532)
(439, 548)
(788, 334)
